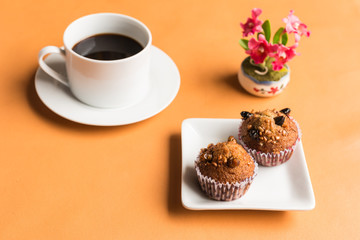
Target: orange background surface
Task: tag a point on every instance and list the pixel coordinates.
(63, 180)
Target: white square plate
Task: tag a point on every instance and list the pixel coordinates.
(284, 187)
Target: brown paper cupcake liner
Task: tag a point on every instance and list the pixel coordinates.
(224, 191)
(272, 159)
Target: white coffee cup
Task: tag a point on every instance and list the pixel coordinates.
(103, 83)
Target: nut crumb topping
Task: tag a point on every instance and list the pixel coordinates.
(227, 153)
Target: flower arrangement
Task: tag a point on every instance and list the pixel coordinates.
(268, 57)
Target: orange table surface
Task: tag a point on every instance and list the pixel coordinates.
(64, 180)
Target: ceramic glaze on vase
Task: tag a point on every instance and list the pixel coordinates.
(262, 88)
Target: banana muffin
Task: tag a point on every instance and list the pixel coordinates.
(270, 136)
(225, 170)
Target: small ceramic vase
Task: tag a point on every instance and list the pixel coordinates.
(262, 88)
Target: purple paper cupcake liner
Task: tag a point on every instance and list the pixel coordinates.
(224, 191)
(272, 159)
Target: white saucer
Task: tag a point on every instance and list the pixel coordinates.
(164, 76)
(281, 188)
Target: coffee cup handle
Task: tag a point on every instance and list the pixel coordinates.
(51, 50)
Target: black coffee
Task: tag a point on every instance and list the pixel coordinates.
(107, 47)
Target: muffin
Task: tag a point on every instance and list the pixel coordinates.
(270, 136)
(225, 170)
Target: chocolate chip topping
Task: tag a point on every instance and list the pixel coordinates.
(286, 111)
(233, 162)
(279, 120)
(245, 115)
(254, 133)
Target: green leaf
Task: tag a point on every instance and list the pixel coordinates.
(277, 35)
(244, 43)
(267, 30)
(284, 39)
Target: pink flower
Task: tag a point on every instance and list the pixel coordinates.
(259, 50)
(252, 25)
(282, 56)
(294, 25)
